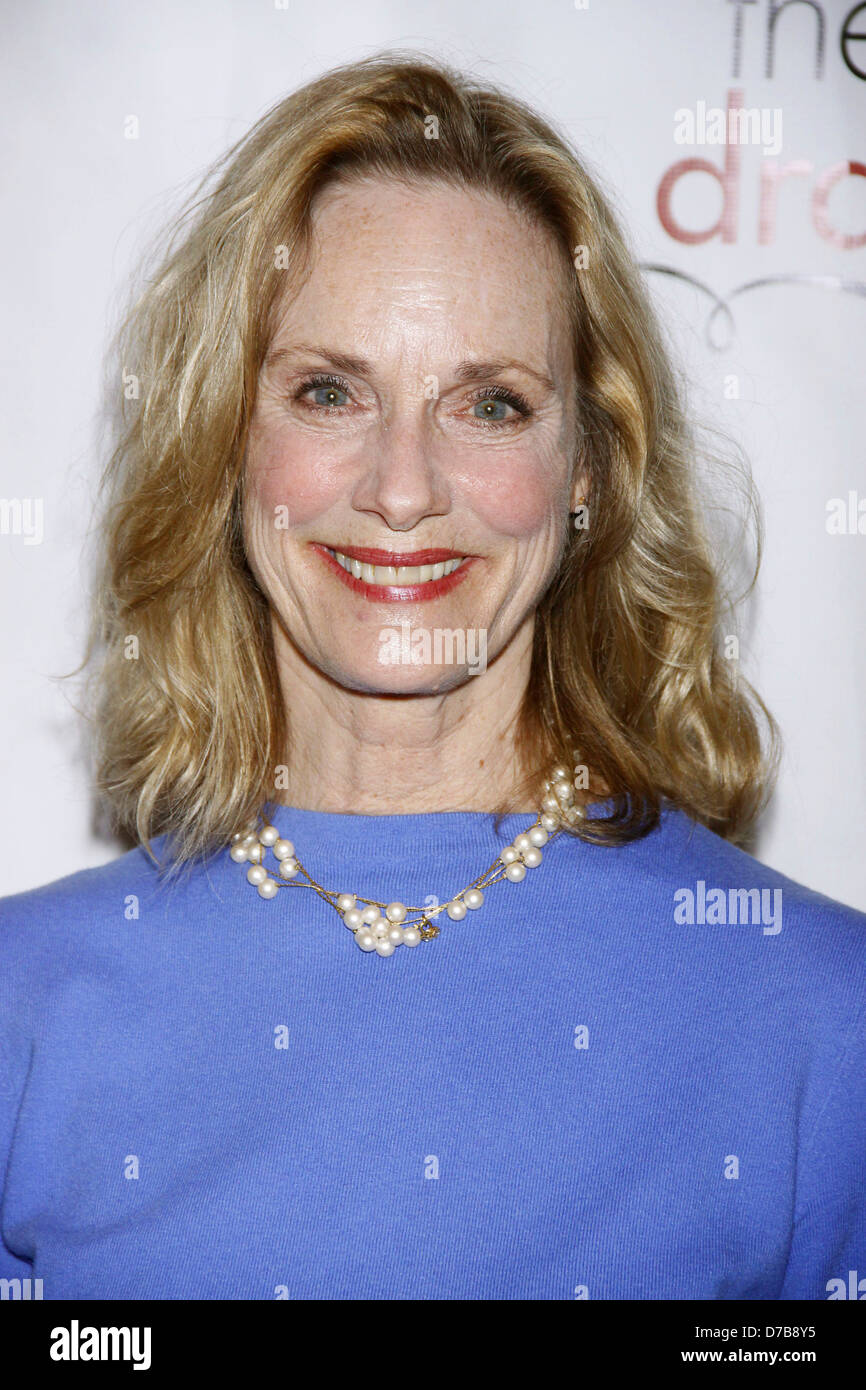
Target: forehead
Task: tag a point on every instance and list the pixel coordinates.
(428, 262)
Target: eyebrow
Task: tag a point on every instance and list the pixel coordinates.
(465, 371)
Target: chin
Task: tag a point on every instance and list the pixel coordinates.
(403, 680)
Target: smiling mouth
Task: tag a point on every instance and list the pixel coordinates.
(399, 576)
(378, 577)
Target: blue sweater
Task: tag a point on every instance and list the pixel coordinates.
(599, 1085)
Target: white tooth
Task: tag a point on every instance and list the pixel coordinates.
(395, 574)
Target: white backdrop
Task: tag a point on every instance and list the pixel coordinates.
(784, 374)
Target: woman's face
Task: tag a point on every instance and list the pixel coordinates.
(417, 400)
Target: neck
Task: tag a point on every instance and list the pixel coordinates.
(374, 754)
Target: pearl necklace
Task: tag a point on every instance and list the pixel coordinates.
(382, 927)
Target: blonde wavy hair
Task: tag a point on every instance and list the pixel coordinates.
(627, 663)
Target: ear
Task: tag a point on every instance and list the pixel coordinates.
(580, 489)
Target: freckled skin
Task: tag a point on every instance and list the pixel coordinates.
(414, 281)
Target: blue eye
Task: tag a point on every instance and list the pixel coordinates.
(499, 405)
(327, 395)
(491, 409)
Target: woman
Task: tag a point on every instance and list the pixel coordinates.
(401, 531)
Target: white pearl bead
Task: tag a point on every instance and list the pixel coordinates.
(381, 929)
(561, 774)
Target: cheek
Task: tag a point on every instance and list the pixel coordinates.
(527, 497)
(287, 476)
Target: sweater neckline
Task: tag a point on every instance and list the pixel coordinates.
(422, 835)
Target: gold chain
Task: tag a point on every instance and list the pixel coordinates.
(427, 928)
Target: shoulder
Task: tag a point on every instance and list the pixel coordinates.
(62, 936)
(42, 929)
(679, 853)
(735, 907)
(706, 904)
(79, 895)
(777, 969)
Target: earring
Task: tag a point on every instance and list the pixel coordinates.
(580, 518)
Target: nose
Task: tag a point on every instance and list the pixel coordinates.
(404, 483)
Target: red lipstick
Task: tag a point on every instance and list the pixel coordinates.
(396, 593)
